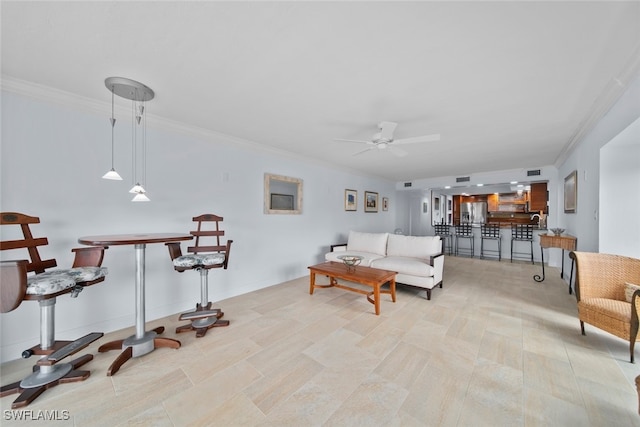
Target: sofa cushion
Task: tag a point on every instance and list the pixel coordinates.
(413, 246)
(411, 266)
(375, 243)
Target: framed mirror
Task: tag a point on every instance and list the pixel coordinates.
(282, 195)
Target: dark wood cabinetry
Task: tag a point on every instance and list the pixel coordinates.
(492, 202)
(538, 196)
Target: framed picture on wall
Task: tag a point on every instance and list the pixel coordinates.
(385, 203)
(571, 192)
(350, 200)
(370, 201)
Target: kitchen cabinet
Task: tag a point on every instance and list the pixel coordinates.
(538, 197)
(512, 202)
(492, 203)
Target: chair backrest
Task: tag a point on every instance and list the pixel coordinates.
(442, 229)
(213, 232)
(36, 264)
(464, 230)
(604, 275)
(13, 284)
(490, 230)
(522, 231)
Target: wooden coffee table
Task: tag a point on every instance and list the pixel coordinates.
(373, 277)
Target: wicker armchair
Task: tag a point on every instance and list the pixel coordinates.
(600, 290)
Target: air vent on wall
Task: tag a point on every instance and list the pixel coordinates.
(463, 179)
(407, 184)
(534, 172)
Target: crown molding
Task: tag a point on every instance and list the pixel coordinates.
(612, 92)
(55, 96)
(102, 108)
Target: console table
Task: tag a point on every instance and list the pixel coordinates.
(142, 342)
(564, 242)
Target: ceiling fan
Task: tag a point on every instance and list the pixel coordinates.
(383, 140)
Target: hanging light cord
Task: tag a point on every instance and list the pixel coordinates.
(113, 124)
(144, 144)
(134, 143)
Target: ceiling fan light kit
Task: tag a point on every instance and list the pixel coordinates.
(383, 140)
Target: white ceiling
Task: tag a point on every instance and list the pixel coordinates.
(508, 85)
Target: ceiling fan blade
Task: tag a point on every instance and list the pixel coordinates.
(361, 141)
(396, 151)
(387, 129)
(415, 139)
(364, 151)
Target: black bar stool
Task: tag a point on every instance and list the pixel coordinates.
(490, 232)
(522, 233)
(464, 231)
(444, 231)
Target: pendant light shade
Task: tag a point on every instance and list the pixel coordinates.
(139, 94)
(112, 174)
(140, 197)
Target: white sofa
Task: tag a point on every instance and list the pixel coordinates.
(418, 260)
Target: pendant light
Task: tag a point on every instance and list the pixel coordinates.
(139, 94)
(112, 174)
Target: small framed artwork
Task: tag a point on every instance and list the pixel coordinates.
(425, 207)
(385, 203)
(370, 201)
(571, 192)
(350, 200)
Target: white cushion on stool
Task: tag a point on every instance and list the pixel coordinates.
(54, 281)
(198, 259)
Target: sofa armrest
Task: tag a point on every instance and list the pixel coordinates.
(437, 262)
(341, 247)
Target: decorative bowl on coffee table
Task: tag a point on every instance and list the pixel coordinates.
(351, 261)
(557, 231)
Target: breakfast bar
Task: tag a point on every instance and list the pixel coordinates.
(142, 342)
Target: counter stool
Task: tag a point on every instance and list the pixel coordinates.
(202, 258)
(490, 232)
(522, 233)
(464, 231)
(444, 231)
(34, 279)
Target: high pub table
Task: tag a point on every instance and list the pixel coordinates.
(142, 342)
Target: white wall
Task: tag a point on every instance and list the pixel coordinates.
(52, 159)
(585, 158)
(620, 181)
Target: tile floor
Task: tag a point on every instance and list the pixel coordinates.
(492, 348)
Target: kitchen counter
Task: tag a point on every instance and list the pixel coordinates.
(505, 239)
(506, 225)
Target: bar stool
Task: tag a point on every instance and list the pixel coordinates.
(464, 231)
(522, 233)
(202, 258)
(490, 232)
(444, 231)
